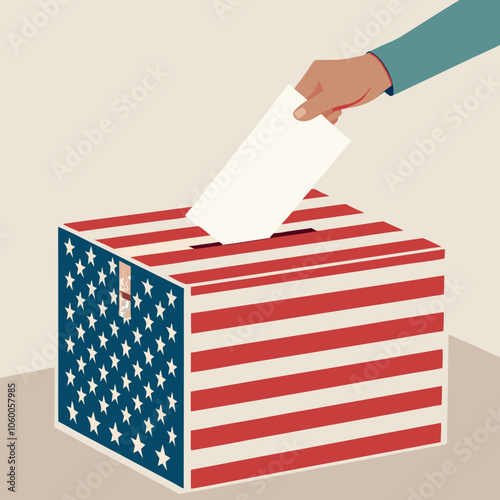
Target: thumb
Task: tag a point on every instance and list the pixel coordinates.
(315, 106)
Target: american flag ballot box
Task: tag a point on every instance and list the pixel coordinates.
(201, 364)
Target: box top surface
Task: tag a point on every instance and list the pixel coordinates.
(318, 233)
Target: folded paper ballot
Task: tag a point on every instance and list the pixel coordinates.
(269, 175)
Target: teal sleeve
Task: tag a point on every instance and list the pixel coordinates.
(462, 31)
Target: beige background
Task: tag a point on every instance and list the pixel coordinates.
(223, 74)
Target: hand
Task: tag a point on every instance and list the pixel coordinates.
(330, 86)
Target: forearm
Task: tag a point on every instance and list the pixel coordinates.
(462, 31)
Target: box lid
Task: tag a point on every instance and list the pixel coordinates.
(320, 232)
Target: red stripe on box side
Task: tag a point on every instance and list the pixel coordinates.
(316, 417)
(314, 380)
(317, 455)
(315, 304)
(314, 342)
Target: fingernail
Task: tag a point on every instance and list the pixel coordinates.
(299, 113)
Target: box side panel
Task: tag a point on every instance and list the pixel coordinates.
(120, 367)
(311, 378)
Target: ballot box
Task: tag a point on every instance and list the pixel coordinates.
(200, 364)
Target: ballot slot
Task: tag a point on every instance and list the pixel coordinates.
(275, 235)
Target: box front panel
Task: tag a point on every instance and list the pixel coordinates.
(120, 375)
(308, 368)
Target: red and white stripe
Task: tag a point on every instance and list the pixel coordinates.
(307, 348)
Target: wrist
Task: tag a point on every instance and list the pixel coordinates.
(381, 79)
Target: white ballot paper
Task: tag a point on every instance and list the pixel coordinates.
(269, 175)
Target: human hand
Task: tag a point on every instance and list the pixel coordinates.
(330, 86)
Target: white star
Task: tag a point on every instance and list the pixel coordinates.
(102, 309)
(103, 340)
(81, 331)
(137, 301)
(92, 321)
(104, 373)
(115, 394)
(171, 367)
(70, 312)
(94, 424)
(149, 426)
(112, 266)
(161, 344)
(102, 277)
(126, 382)
(72, 412)
(148, 321)
(115, 434)
(171, 401)
(69, 281)
(171, 436)
(104, 405)
(92, 289)
(126, 349)
(70, 345)
(69, 247)
(80, 267)
(92, 385)
(149, 357)
(91, 256)
(147, 288)
(159, 310)
(126, 415)
(137, 370)
(92, 353)
(114, 329)
(162, 458)
(160, 378)
(81, 396)
(138, 446)
(114, 361)
(171, 332)
(161, 415)
(113, 296)
(137, 402)
(80, 299)
(126, 320)
(137, 336)
(71, 377)
(149, 391)
(81, 364)
(171, 299)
